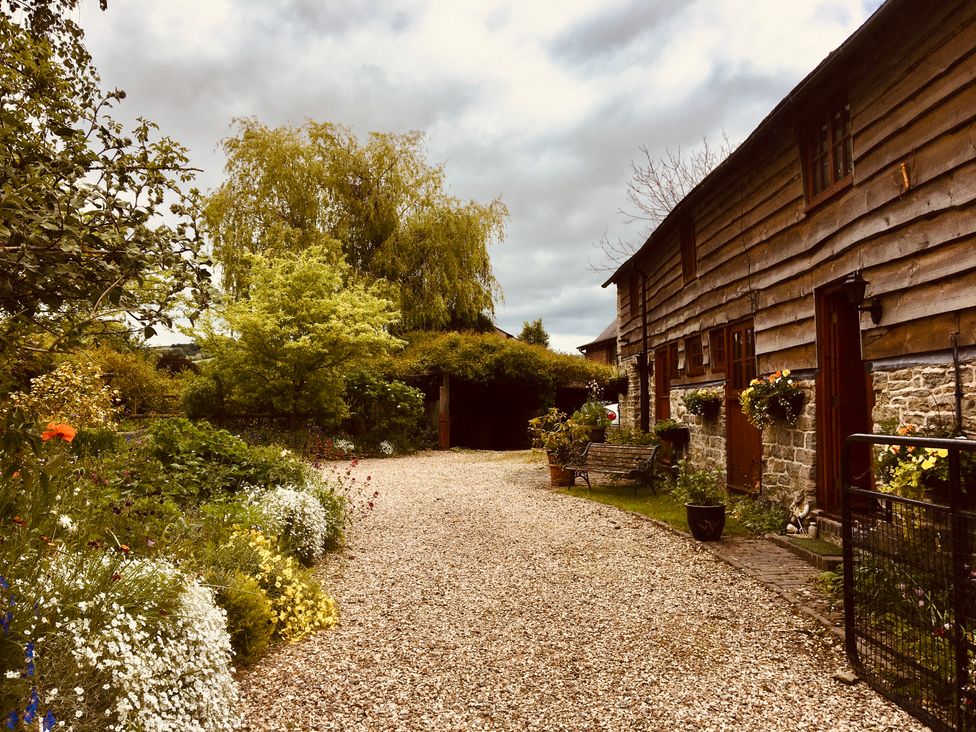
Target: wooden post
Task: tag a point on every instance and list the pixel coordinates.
(444, 414)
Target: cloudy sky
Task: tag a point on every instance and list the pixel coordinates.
(543, 102)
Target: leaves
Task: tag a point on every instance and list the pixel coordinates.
(380, 204)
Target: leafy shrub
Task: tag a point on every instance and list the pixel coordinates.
(631, 436)
(209, 461)
(760, 516)
(382, 410)
(138, 386)
(203, 397)
(250, 616)
(703, 402)
(174, 362)
(700, 487)
(73, 393)
(95, 441)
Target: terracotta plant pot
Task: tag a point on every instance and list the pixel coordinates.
(560, 477)
(706, 522)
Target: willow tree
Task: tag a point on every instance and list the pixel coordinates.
(289, 188)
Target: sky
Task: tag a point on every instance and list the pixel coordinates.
(544, 103)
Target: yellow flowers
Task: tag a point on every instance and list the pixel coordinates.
(299, 603)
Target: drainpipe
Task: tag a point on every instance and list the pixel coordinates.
(955, 363)
(645, 391)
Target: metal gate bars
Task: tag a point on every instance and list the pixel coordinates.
(910, 577)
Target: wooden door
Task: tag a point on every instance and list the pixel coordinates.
(662, 384)
(743, 441)
(842, 395)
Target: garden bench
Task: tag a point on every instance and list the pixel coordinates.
(638, 462)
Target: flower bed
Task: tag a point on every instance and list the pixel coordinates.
(137, 571)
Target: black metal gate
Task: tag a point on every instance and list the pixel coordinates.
(910, 586)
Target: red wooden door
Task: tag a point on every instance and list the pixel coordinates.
(842, 395)
(743, 445)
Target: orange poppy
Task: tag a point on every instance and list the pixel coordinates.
(56, 430)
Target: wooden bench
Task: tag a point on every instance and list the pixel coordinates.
(638, 462)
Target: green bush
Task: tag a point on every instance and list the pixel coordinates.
(132, 375)
(630, 436)
(203, 397)
(760, 516)
(385, 410)
(250, 615)
(95, 441)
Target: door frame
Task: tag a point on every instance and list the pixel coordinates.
(739, 434)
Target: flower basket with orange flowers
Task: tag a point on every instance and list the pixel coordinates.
(773, 398)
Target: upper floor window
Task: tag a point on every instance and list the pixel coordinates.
(716, 349)
(634, 288)
(694, 355)
(829, 151)
(689, 253)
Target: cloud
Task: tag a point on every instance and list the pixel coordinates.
(544, 103)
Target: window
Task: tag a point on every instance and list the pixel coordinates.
(829, 152)
(716, 350)
(689, 255)
(633, 286)
(694, 356)
(673, 371)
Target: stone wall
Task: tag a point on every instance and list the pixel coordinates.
(790, 455)
(924, 395)
(706, 447)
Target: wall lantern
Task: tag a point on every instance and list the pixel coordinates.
(854, 287)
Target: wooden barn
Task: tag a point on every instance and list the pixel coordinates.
(838, 241)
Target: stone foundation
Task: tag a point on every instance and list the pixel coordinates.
(789, 473)
(924, 395)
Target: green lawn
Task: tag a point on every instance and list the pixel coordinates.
(661, 506)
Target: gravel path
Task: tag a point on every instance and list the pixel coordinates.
(474, 598)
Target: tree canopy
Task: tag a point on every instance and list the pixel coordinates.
(307, 323)
(82, 237)
(534, 333)
(288, 188)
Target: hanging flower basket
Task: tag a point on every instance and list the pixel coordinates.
(774, 398)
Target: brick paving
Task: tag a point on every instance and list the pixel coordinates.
(784, 573)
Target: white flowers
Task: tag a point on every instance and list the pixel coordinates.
(298, 519)
(66, 523)
(344, 445)
(386, 447)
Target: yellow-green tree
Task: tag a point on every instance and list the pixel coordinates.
(307, 323)
(380, 205)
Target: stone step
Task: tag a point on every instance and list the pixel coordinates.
(819, 553)
(830, 529)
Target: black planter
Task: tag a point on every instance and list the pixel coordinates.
(598, 434)
(786, 408)
(710, 409)
(706, 522)
(677, 436)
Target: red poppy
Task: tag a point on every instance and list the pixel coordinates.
(56, 430)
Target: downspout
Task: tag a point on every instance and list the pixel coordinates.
(958, 376)
(645, 391)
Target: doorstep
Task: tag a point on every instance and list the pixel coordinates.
(824, 555)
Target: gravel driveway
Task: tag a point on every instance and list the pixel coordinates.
(475, 598)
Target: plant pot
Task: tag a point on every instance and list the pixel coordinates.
(710, 410)
(706, 522)
(560, 477)
(786, 408)
(598, 434)
(677, 436)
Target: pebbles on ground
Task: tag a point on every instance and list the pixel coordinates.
(475, 598)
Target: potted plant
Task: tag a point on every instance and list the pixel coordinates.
(772, 398)
(593, 415)
(704, 403)
(703, 493)
(563, 440)
(671, 430)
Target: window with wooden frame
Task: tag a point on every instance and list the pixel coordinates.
(828, 150)
(716, 350)
(694, 356)
(634, 288)
(673, 371)
(689, 253)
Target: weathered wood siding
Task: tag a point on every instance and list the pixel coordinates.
(761, 253)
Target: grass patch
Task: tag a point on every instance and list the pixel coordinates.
(817, 546)
(663, 506)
